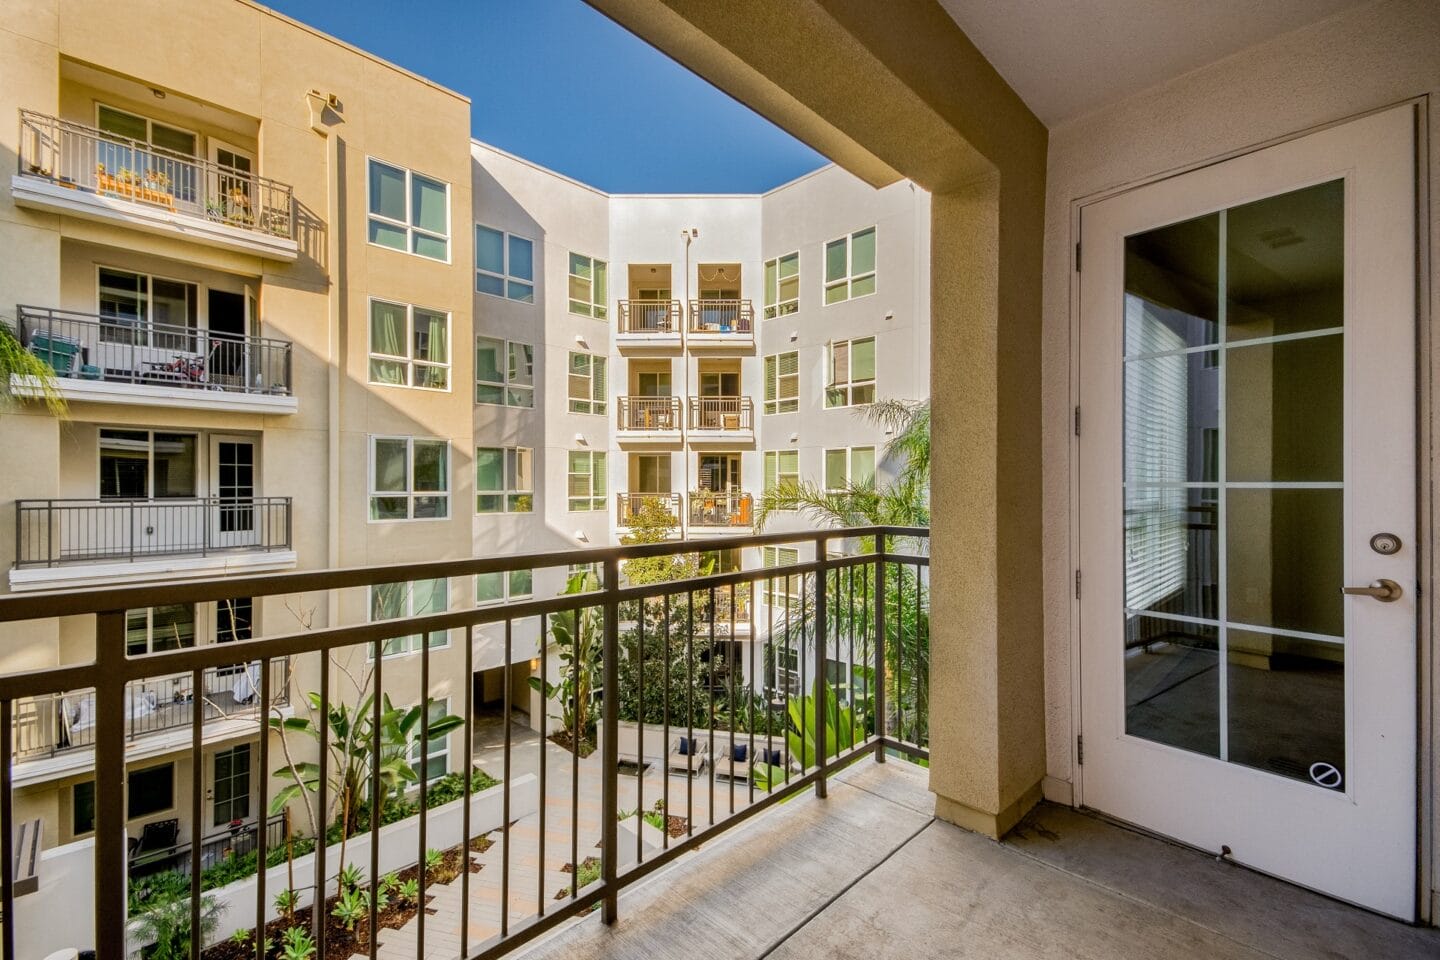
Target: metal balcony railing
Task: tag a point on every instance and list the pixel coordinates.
(85, 346)
(649, 317)
(629, 504)
(50, 533)
(236, 840)
(54, 723)
(735, 317)
(710, 729)
(722, 413)
(649, 413)
(84, 158)
(721, 508)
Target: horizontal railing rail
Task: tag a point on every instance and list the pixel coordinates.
(721, 508)
(83, 158)
(722, 316)
(628, 505)
(84, 346)
(649, 413)
(722, 413)
(697, 722)
(649, 316)
(50, 533)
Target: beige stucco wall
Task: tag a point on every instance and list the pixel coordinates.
(1358, 61)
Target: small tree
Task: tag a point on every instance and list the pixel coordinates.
(578, 638)
(167, 926)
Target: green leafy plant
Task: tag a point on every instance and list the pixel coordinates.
(296, 944)
(577, 636)
(242, 937)
(388, 883)
(351, 907)
(285, 903)
(451, 787)
(39, 376)
(433, 860)
(409, 891)
(807, 716)
(350, 877)
(166, 925)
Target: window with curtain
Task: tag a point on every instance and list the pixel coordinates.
(408, 212)
(782, 468)
(588, 286)
(504, 265)
(409, 346)
(587, 383)
(504, 585)
(850, 266)
(845, 467)
(409, 479)
(404, 599)
(851, 373)
(782, 382)
(504, 480)
(587, 480)
(504, 372)
(782, 286)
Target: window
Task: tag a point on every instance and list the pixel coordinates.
(782, 382)
(82, 808)
(437, 751)
(409, 346)
(170, 626)
(151, 791)
(782, 468)
(782, 286)
(417, 598)
(409, 212)
(587, 383)
(504, 265)
(851, 368)
(844, 468)
(409, 479)
(588, 288)
(148, 159)
(232, 785)
(132, 126)
(504, 481)
(234, 619)
(781, 590)
(587, 480)
(144, 465)
(504, 585)
(504, 372)
(850, 267)
(142, 310)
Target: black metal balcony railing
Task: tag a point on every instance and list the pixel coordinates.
(834, 669)
(735, 317)
(83, 158)
(721, 508)
(629, 504)
(649, 317)
(236, 840)
(649, 413)
(50, 533)
(54, 723)
(84, 346)
(722, 413)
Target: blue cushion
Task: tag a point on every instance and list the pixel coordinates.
(772, 757)
(738, 751)
(684, 747)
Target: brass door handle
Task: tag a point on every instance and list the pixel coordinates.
(1386, 591)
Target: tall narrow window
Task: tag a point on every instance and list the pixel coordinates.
(850, 266)
(587, 383)
(782, 382)
(504, 372)
(782, 286)
(851, 380)
(504, 265)
(504, 481)
(408, 212)
(409, 346)
(231, 785)
(409, 479)
(782, 469)
(587, 480)
(588, 286)
(436, 759)
(402, 600)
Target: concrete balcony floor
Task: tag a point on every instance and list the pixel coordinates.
(869, 873)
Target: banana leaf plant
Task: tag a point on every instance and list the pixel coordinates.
(806, 715)
(577, 636)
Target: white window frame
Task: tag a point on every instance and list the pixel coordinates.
(775, 456)
(776, 405)
(437, 748)
(849, 455)
(508, 389)
(593, 308)
(408, 226)
(408, 360)
(850, 385)
(774, 306)
(150, 123)
(596, 499)
(778, 589)
(507, 495)
(595, 406)
(508, 593)
(848, 281)
(505, 277)
(410, 643)
(409, 493)
(150, 629)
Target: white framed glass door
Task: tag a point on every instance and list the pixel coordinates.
(1247, 382)
(234, 519)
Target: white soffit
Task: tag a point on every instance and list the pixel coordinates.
(1066, 58)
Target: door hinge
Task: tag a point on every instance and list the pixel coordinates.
(1077, 421)
(1077, 584)
(1080, 750)
(1077, 257)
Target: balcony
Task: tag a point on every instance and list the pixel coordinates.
(115, 360)
(648, 421)
(83, 172)
(723, 420)
(718, 325)
(628, 505)
(649, 326)
(720, 511)
(85, 542)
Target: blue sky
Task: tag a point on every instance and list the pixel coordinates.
(559, 84)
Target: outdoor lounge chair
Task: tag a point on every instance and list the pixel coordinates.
(687, 754)
(733, 760)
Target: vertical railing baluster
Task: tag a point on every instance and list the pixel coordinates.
(7, 833)
(322, 805)
(575, 733)
(610, 718)
(504, 803)
(467, 787)
(111, 879)
(197, 777)
(422, 833)
(690, 714)
(821, 639)
(262, 834)
(544, 758)
(665, 653)
(753, 587)
(640, 734)
(710, 707)
(375, 721)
